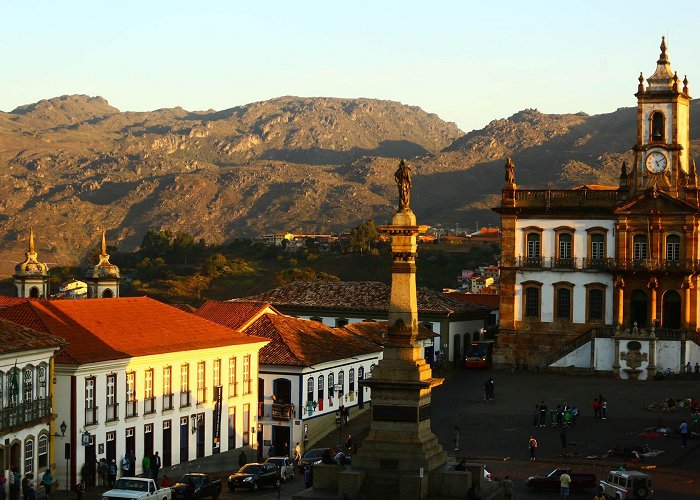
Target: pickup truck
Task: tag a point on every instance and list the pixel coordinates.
(551, 481)
(137, 488)
(203, 485)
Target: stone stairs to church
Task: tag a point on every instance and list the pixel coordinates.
(574, 344)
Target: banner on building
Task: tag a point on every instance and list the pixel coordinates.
(217, 416)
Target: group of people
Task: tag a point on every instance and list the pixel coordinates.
(689, 369)
(563, 415)
(25, 484)
(150, 466)
(600, 408)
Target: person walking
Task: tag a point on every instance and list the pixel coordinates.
(14, 483)
(683, 428)
(604, 409)
(80, 489)
(111, 473)
(507, 484)
(126, 466)
(564, 482)
(596, 408)
(297, 453)
(25, 485)
(491, 388)
(543, 414)
(456, 438)
(155, 467)
(532, 444)
(146, 466)
(47, 483)
(3, 481)
(102, 467)
(536, 416)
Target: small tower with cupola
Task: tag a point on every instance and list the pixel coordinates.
(31, 276)
(103, 278)
(662, 159)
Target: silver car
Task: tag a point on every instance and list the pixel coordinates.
(285, 465)
(622, 485)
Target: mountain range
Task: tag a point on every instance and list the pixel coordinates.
(72, 165)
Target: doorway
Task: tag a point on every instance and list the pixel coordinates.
(184, 440)
(90, 462)
(167, 444)
(200, 435)
(15, 455)
(111, 440)
(280, 437)
(671, 312)
(638, 308)
(148, 440)
(457, 351)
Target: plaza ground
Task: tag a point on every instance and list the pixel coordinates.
(496, 432)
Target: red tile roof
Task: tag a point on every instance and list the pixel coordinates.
(6, 301)
(302, 342)
(362, 296)
(489, 300)
(107, 329)
(376, 331)
(14, 337)
(234, 315)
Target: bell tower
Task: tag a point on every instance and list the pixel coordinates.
(663, 134)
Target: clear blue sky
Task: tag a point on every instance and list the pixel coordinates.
(469, 62)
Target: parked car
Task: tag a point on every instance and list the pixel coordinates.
(204, 486)
(285, 465)
(551, 480)
(627, 484)
(253, 476)
(311, 457)
(137, 488)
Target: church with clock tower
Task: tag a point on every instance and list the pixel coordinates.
(605, 278)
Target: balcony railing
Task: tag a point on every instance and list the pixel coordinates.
(149, 405)
(91, 415)
(185, 398)
(605, 265)
(112, 412)
(564, 198)
(282, 411)
(132, 409)
(168, 401)
(25, 413)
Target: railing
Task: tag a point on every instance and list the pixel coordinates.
(605, 265)
(282, 411)
(168, 401)
(25, 413)
(132, 408)
(184, 398)
(563, 197)
(91, 415)
(149, 405)
(112, 412)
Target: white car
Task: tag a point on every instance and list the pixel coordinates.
(137, 488)
(622, 485)
(285, 465)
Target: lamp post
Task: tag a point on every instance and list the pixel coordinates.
(338, 389)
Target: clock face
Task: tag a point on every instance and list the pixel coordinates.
(656, 162)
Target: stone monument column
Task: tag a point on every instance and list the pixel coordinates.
(400, 442)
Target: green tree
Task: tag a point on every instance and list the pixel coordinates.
(183, 247)
(363, 237)
(156, 243)
(304, 274)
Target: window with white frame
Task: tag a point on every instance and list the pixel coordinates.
(310, 389)
(351, 379)
(331, 386)
(673, 247)
(185, 378)
(148, 384)
(201, 382)
(640, 246)
(89, 393)
(217, 372)
(28, 385)
(130, 386)
(341, 382)
(43, 451)
(111, 391)
(42, 374)
(320, 388)
(246, 374)
(232, 377)
(167, 381)
(28, 455)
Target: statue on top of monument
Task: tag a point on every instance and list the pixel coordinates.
(510, 171)
(403, 179)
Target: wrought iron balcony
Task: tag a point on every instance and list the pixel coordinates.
(168, 401)
(185, 398)
(149, 405)
(132, 409)
(112, 412)
(282, 411)
(91, 415)
(25, 413)
(681, 266)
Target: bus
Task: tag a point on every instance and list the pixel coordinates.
(479, 355)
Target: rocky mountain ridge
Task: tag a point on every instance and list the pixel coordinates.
(74, 164)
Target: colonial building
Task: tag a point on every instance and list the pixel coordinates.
(307, 371)
(27, 430)
(103, 278)
(138, 375)
(339, 303)
(576, 263)
(31, 276)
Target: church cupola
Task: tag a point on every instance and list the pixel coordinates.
(31, 276)
(103, 278)
(663, 132)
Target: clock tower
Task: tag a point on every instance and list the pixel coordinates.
(663, 138)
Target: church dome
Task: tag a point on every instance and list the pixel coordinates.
(31, 265)
(104, 268)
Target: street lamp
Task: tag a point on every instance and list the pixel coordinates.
(338, 389)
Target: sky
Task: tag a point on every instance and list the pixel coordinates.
(467, 61)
